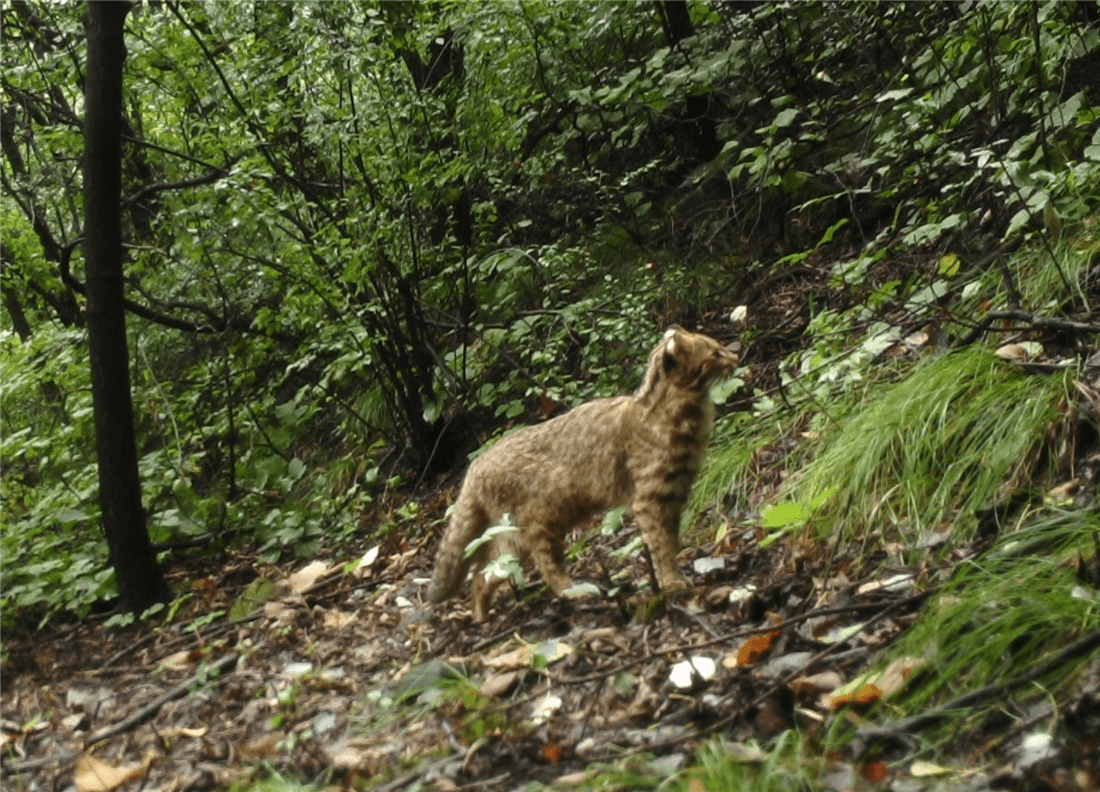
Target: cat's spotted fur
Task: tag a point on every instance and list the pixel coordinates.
(641, 451)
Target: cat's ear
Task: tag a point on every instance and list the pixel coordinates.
(668, 357)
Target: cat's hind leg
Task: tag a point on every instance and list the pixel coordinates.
(547, 548)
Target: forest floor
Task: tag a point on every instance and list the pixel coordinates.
(335, 673)
(341, 677)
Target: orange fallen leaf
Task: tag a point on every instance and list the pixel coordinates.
(547, 406)
(551, 752)
(756, 647)
(873, 771)
(862, 698)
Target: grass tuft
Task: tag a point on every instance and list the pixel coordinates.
(946, 438)
(1004, 614)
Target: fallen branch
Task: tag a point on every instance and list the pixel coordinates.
(1045, 321)
(916, 723)
(137, 718)
(200, 677)
(1038, 322)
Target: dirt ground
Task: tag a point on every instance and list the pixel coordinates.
(342, 677)
(326, 674)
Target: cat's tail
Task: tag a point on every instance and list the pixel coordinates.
(451, 561)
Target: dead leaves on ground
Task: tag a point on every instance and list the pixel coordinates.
(93, 775)
(334, 673)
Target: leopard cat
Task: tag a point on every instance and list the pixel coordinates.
(640, 451)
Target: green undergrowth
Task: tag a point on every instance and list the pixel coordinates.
(1002, 615)
(728, 475)
(748, 767)
(927, 451)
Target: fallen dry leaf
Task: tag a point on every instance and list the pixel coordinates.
(181, 661)
(363, 567)
(572, 779)
(519, 657)
(863, 691)
(874, 771)
(264, 747)
(756, 647)
(551, 753)
(276, 610)
(92, 775)
(338, 620)
(824, 682)
(923, 769)
(860, 699)
(498, 684)
(1064, 493)
(550, 704)
(894, 675)
(305, 577)
(686, 673)
(1020, 353)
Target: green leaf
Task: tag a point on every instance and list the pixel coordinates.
(785, 118)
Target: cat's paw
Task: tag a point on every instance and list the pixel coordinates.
(676, 586)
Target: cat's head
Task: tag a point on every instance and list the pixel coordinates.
(687, 361)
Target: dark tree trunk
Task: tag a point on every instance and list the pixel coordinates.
(676, 20)
(18, 316)
(140, 582)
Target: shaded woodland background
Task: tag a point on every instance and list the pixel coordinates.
(362, 237)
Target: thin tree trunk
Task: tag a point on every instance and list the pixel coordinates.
(676, 20)
(140, 582)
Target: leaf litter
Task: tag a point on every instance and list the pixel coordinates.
(343, 676)
(336, 673)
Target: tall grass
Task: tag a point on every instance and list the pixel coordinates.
(1005, 613)
(959, 428)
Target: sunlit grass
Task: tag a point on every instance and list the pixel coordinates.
(1004, 614)
(936, 445)
(749, 768)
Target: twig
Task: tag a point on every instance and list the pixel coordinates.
(683, 611)
(146, 712)
(926, 719)
(1047, 322)
(153, 707)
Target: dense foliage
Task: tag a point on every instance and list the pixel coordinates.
(363, 235)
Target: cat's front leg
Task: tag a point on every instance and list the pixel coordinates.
(660, 523)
